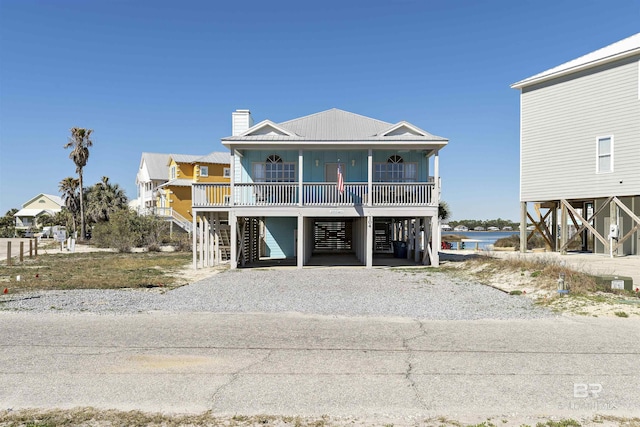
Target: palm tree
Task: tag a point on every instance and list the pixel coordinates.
(70, 195)
(79, 142)
(103, 199)
(444, 211)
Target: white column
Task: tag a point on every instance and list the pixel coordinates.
(300, 257)
(411, 231)
(369, 240)
(194, 238)
(436, 177)
(435, 241)
(523, 227)
(233, 225)
(416, 241)
(205, 243)
(232, 180)
(370, 177)
(300, 186)
(216, 238)
(427, 235)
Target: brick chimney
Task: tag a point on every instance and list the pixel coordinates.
(241, 120)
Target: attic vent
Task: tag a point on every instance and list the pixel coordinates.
(395, 159)
(274, 158)
(41, 201)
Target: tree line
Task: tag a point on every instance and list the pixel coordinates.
(473, 223)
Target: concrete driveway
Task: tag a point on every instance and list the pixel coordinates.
(391, 370)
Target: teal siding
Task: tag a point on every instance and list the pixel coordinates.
(280, 236)
(355, 162)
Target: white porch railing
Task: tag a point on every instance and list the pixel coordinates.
(315, 194)
(327, 194)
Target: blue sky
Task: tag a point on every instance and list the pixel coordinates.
(164, 76)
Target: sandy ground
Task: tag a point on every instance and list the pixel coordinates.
(596, 305)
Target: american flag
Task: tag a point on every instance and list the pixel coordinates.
(340, 183)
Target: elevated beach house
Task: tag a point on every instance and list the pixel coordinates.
(332, 183)
(580, 151)
(164, 183)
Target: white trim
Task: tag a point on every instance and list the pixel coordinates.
(598, 155)
(639, 79)
(407, 125)
(264, 124)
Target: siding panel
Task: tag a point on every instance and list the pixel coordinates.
(560, 123)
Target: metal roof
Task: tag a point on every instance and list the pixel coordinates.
(156, 165)
(216, 157)
(178, 182)
(621, 49)
(335, 125)
(184, 158)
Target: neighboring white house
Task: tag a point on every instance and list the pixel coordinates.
(580, 149)
(152, 172)
(331, 183)
(33, 210)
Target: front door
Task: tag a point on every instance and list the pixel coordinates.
(331, 172)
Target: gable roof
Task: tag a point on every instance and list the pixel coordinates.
(56, 199)
(334, 125)
(183, 158)
(618, 50)
(216, 157)
(156, 165)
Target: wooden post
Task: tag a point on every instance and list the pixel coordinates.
(21, 252)
(30, 248)
(8, 253)
(564, 231)
(523, 227)
(36, 247)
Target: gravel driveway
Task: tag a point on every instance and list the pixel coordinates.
(326, 291)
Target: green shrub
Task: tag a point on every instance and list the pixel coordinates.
(119, 232)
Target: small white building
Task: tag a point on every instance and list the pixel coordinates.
(35, 208)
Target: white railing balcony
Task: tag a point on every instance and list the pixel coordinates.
(327, 194)
(265, 194)
(403, 194)
(315, 194)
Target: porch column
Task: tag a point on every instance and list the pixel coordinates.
(232, 178)
(300, 186)
(194, 240)
(300, 257)
(425, 241)
(435, 241)
(233, 240)
(523, 227)
(436, 178)
(370, 177)
(369, 240)
(411, 230)
(417, 240)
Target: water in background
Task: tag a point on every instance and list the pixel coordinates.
(487, 237)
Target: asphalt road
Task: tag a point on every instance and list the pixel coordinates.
(391, 369)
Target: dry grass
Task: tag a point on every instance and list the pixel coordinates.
(94, 270)
(98, 418)
(108, 418)
(543, 272)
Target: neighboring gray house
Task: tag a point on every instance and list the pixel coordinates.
(332, 184)
(580, 150)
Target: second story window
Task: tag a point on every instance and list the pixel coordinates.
(204, 170)
(395, 170)
(274, 170)
(172, 172)
(605, 154)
